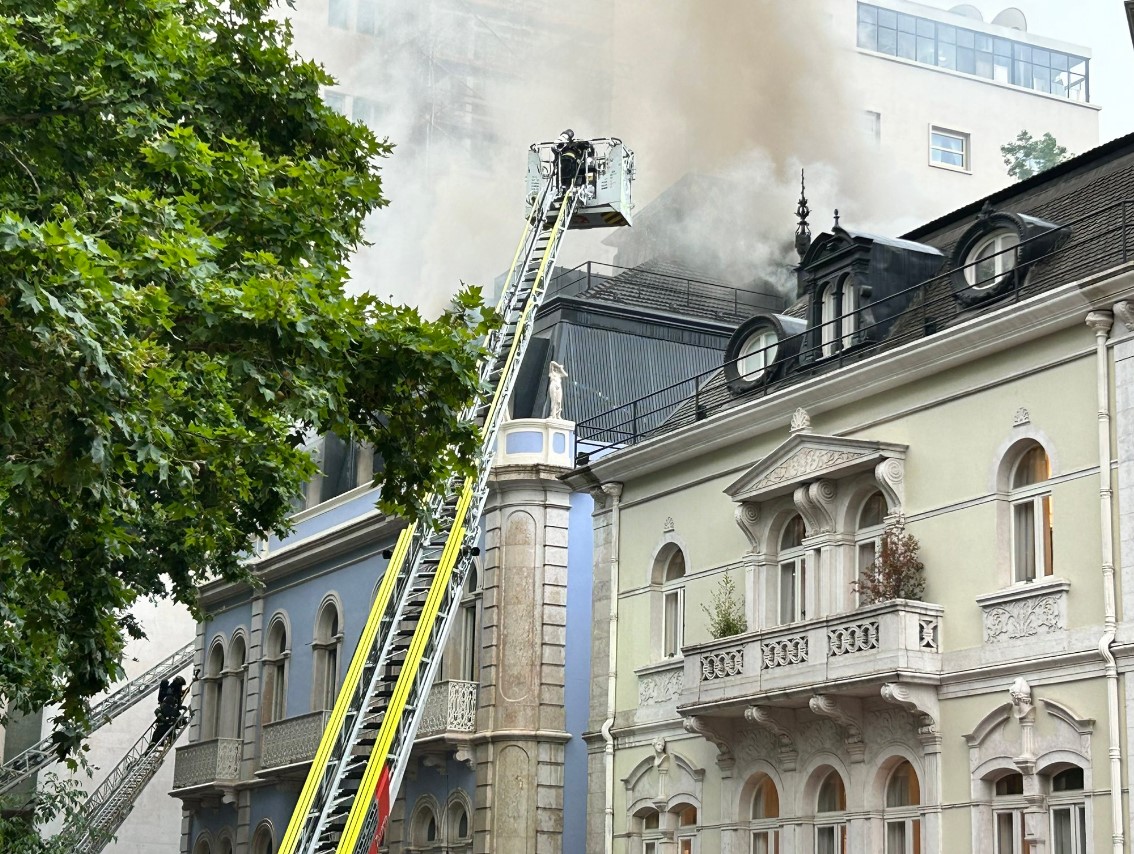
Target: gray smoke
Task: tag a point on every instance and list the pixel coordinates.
(741, 92)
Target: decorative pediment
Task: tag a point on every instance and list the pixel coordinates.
(806, 457)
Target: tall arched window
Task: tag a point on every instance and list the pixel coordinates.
(1030, 497)
(1068, 812)
(765, 815)
(212, 693)
(1008, 815)
(262, 842)
(275, 672)
(234, 688)
(673, 604)
(871, 523)
(829, 317)
(424, 832)
(468, 664)
(793, 571)
(202, 845)
(458, 828)
(830, 816)
(848, 308)
(903, 818)
(325, 649)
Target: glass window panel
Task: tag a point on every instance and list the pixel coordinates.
(888, 41)
(1048, 534)
(1077, 89)
(1024, 537)
(1023, 76)
(895, 837)
(1040, 57)
(907, 23)
(947, 55)
(794, 532)
(1059, 60)
(946, 34)
(867, 35)
(1041, 81)
(1001, 47)
(966, 38)
(787, 592)
(1033, 467)
(966, 61)
(907, 45)
(1022, 52)
(366, 20)
(1061, 831)
(888, 18)
(1070, 780)
(338, 13)
(947, 142)
(1010, 784)
(867, 13)
(983, 42)
(1005, 836)
(926, 51)
(825, 840)
(925, 27)
(1078, 65)
(984, 64)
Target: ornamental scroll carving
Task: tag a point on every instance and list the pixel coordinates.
(748, 518)
(784, 652)
(846, 716)
(701, 726)
(722, 664)
(657, 688)
(802, 463)
(766, 719)
(1024, 618)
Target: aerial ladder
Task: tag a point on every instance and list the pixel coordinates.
(358, 768)
(43, 753)
(108, 805)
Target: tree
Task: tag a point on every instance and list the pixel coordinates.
(897, 572)
(23, 820)
(1025, 156)
(726, 617)
(177, 208)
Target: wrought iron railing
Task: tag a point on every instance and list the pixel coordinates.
(450, 707)
(1098, 241)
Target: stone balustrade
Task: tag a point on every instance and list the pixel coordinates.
(291, 741)
(450, 707)
(871, 643)
(207, 762)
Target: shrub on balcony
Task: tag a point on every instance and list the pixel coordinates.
(726, 616)
(896, 573)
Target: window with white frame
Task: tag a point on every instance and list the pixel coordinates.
(1032, 529)
(1067, 809)
(848, 310)
(903, 817)
(275, 672)
(686, 835)
(991, 257)
(829, 318)
(651, 833)
(1008, 815)
(949, 148)
(793, 571)
(673, 604)
(325, 654)
(756, 354)
(871, 524)
(830, 816)
(838, 316)
(765, 818)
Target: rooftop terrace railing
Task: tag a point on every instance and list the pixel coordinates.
(1089, 244)
(684, 294)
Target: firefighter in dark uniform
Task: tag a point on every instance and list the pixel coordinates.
(170, 709)
(572, 159)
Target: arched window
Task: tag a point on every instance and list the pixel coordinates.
(212, 701)
(871, 523)
(233, 726)
(202, 846)
(756, 354)
(829, 318)
(830, 816)
(849, 311)
(325, 652)
(903, 819)
(424, 833)
(262, 841)
(651, 833)
(458, 828)
(275, 672)
(468, 664)
(765, 814)
(1008, 815)
(686, 829)
(1030, 497)
(991, 258)
(224, 846)
(793, 571)
(673, 604)
(1068, 812)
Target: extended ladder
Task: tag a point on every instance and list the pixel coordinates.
(42, 753)
(362, 757)
(110, 804)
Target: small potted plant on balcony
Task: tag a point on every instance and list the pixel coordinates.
(726, 616)
(897, 572)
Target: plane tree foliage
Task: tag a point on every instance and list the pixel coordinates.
(177, 209)
(1026, 155)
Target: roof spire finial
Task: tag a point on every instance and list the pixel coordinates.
(836, 217)
(802, 231)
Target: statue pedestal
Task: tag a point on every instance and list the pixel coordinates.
(536, 441)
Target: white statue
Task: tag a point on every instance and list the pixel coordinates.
(555, 377)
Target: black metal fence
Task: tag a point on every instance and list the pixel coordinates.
(1090, 244)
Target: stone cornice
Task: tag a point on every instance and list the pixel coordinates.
(984, 335)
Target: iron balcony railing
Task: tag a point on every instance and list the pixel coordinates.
(1089, 244)
(684, 294)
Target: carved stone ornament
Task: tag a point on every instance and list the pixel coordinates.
(748, 517)
(921, 703)
(701, 726)
(1021, 613)
(1021, 417)
(804, 462)
(766, 719)
(657, 688)
(800, 422)
(816, 503)
(890, 474)
(667, 525)
(827, 706)
(1124, 311)
(1021, 695)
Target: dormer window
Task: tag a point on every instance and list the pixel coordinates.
(992, 257)
(758, 350)
(839, 316)
(756, 354)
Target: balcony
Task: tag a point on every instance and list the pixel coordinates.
(207, 765)
(449, 709)
(850, 653)
(288, 746)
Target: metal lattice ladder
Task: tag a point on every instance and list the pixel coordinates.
(365, 747)
(41, 754)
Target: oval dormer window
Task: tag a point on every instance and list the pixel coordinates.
(759, 349)
(991, 258)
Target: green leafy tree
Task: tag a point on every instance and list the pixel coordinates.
(23, 819)
(1025, 156)
(177, 208)
(897, 572)
(726, 616)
